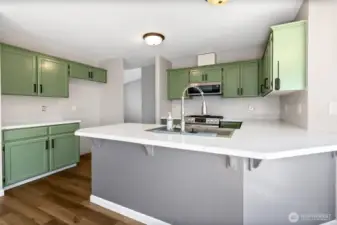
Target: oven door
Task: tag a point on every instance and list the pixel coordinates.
(207, 88)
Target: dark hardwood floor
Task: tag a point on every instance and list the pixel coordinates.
(59, 199)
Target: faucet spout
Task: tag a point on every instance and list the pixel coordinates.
(203, 106)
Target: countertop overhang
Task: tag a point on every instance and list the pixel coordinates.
(21, 125)
(262, 140)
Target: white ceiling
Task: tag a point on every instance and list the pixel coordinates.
(108, 29)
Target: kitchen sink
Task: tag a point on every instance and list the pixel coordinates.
(197, 131)
(230, 124)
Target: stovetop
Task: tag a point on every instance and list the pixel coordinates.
(206, 116)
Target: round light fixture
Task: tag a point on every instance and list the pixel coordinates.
(153, 38)
(217, 2)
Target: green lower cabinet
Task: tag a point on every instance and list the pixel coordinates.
(249, 79)
(64, 150)
(177, 80)
(25, 159)
(53, 77)
(231, 81)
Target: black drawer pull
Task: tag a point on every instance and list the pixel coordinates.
(41, 89)
(52, 143)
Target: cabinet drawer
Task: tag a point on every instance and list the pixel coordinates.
(64, 128)
(11, 135)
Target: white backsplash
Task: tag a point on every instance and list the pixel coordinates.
(233, 108)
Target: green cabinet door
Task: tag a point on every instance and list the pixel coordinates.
(99, 75)
(177, 80)
(212, 74)
(64, 150)
(196, 76)
(289, 56)
(25, 159)
(53, 77)
(79, 71)
(231, 81)
(18, 71)
(249, 72)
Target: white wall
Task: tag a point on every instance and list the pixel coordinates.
(264, 108)
(132, 75)
(294, 107)
(133, 101)
(111, 95)
(163, 105)
(322, 66)
(83, 104)
(222, 57)
(148, 94)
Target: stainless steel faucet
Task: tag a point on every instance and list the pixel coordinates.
(203, 106)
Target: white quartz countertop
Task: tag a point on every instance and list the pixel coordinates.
(18, 125)
(255, 139)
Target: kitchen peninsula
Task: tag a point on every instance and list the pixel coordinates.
(264, 172)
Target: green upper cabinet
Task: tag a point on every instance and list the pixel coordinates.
(98, 75)
(79, 71)
(241, 79)
(53, 77)
(212, 74)
(289, 56)
(64, 150)
(249, 79)
(231, 81)
(196, 76)
(18, 71)
(206, 74)
(177, 80)
(24, 72)
(25, 159)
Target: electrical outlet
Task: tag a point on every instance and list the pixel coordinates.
(43, 108)
(251, 108)
(74, 108)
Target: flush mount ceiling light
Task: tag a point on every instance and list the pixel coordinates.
(153, 38)
(217, 2)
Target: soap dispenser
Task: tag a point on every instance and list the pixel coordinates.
(169, 122)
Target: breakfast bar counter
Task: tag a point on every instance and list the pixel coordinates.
(160, 178)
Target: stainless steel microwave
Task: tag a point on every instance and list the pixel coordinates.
(214, 88)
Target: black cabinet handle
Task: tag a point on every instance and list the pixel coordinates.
(261, 89)
(206, 76)
(89, 74)
(47, 144)
(35, 88)
(238, 91)
(41, 89)
(52, 143)
(277, 80)
(266, 83)
(241, 91)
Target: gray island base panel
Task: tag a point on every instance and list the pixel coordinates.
(193, 188)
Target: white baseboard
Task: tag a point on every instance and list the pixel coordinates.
(126, 211)
(38, 177)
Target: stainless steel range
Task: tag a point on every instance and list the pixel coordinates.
(203, 120)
